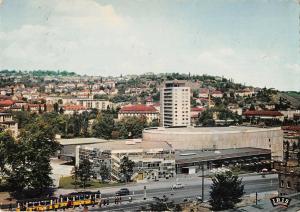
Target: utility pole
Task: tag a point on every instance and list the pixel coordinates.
(202, 182)
(255, 198)
(145, 194)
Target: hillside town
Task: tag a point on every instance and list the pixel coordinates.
(167, 125)
(149, 105)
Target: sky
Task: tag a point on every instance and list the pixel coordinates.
(256, 42)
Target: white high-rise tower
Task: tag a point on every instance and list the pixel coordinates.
(175, 104)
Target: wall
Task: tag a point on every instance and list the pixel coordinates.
(263, 138)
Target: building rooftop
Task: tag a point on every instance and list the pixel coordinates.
(291, 128)
(137, 108)
(80, 141)
(262, 113)
(129, 144)
(207, 130)
(7, 102)
(189, 156)
(196, 109)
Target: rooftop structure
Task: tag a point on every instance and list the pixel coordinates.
(185, 138)
(152, 160)
(192, 160)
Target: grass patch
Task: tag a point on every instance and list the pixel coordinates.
(68, 183)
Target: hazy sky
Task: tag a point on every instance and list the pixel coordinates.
(256, 42)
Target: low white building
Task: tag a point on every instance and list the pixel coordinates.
(71, 109)
(152, 160)
(88, 103)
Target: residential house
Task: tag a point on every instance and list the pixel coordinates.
(139, 110)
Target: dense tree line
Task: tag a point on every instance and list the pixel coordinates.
(207, 117)
(88, 124)
(38, 73)
(128, 127)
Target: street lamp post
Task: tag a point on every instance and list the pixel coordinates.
(202, 167)
(145, 193)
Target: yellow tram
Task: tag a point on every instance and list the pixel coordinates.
(64, 201)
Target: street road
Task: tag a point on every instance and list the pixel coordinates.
(192, 189)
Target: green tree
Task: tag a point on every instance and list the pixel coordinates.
(23, 118)
(126, 168)
(132, 127)
(74, 174)
(56, 107)
(84, 172)
(30, 168)
(104, 172)
(103, 126)
(226, 191)
(84, 119)
(101, 96)
(206, 118)
(154, 123)
(7, 147)
(164, 204)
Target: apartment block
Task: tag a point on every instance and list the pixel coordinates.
(175, 104)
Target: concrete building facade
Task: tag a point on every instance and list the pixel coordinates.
(288, 177)
(219, 138)
(7, 123)
(153, 160)
(175, 104)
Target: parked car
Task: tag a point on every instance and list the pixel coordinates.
(177, 186)
(123, 192)
(187, 200)
(199, 199)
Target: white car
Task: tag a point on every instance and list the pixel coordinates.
(177, 186)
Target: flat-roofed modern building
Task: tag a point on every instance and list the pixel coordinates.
(175, 104)
(153, 160)
(191, 161)
(197, 138)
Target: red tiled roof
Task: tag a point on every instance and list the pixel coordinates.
(203, 99)
(194, 115)
(149, 99)
(6, 102)
(291, 128)
(196, 109)
(138, 109)
(217, 92)
(262, 113)
(35, 105)
(204, 90)
(74, 107)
